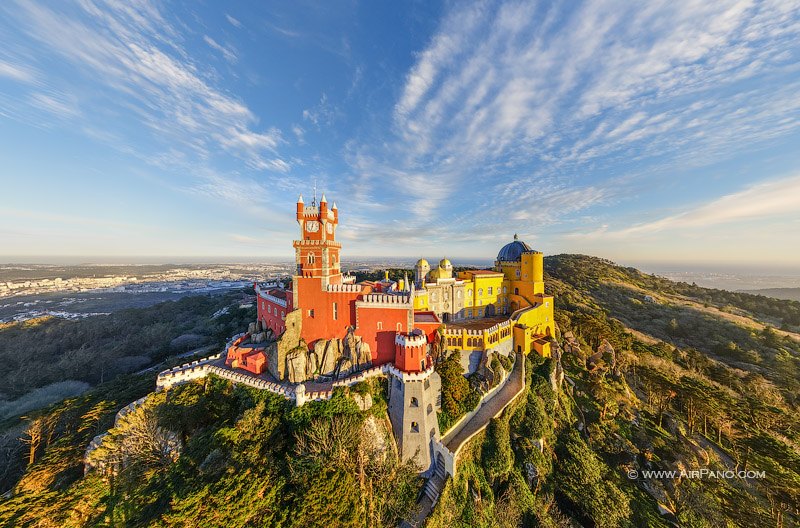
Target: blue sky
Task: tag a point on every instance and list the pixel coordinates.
(662, 131)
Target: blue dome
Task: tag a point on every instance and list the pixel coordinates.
(513, 251)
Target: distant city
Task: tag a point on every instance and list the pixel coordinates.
(29, 291)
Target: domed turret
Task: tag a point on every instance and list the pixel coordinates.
(512, 252)
(445, 264)
(421, 269)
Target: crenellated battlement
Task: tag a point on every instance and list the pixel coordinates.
(409, 376)
(349, 288)
(328, 242)
(414, 340)
(380, 299)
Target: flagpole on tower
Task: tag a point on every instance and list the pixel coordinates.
(315, 193)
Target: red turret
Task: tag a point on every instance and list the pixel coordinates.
(300, 208)
(411, 352)
(323, 208)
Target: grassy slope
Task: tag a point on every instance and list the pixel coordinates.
(691, 388)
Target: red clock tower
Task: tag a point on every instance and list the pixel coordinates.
(317, 251)
(318, 273)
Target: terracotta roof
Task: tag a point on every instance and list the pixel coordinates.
(425, 317)
(278, 292)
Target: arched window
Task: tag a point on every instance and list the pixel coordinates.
(380, 325)
(505, 289)
(430, 408)
(414, 427)
(311, 258)
(458, 294)
(480, 292)
(516, 291)
(414, 402)
(399, 327)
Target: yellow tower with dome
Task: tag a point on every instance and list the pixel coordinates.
(504, 309)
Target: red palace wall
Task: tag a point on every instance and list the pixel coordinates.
(269, 313)
(322, 324)
(381, 340)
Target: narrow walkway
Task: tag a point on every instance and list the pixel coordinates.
(492, 407)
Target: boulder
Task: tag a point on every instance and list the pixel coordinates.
(364, 402)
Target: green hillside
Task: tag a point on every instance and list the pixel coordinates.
(693, 379)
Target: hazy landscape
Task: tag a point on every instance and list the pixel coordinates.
(473, 264)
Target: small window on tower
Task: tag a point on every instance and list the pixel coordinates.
(414, 402)
(490, 290)
(480, 292)
(335, 311)
(311, 258)
(414, 427)
(311, 313)
(380, 325)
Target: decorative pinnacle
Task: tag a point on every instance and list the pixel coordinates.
(324, 200)
(334, 206)
(300, 200)
(516, 237)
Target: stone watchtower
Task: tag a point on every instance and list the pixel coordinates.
(414, 397)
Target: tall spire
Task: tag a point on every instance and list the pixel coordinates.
(300, 200)
(325, 200)
(314, 202)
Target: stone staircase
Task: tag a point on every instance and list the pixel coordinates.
(430, 495)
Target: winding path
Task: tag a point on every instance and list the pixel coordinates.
(491, 408)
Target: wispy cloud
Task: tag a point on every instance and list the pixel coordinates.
(233, 21)
(16, 72)
(134, 53)
(516, 104)
(61, 106)
(227, 51)
(771, 199)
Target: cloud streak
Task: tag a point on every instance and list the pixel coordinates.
(134, 53)
(553, 109)
(771, 199)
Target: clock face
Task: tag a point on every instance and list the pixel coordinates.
(312, 227)
(329, 227)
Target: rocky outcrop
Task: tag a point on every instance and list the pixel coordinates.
(292, 360)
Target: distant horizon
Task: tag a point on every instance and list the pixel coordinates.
(646, 266)
(190, 130)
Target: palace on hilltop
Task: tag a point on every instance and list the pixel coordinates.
(325, 326)
(504, 309)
